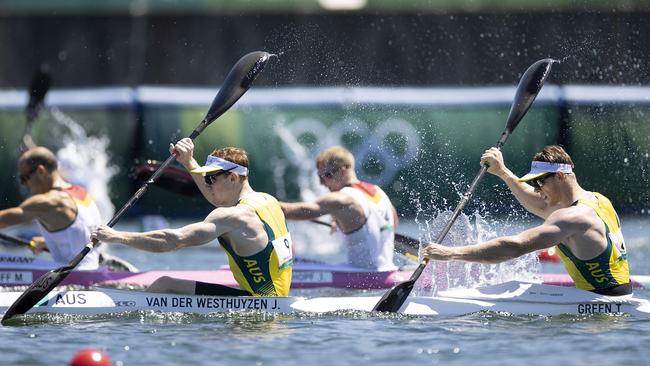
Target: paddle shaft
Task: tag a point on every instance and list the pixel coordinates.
(14, 240)
(18, 241)
(136, 196)
(465, 198)
(154, 176)
(530, 84)
(461, 205)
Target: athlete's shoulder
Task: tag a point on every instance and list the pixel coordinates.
(339, 198)
(48, 200)
(577, 216)
(231, 217)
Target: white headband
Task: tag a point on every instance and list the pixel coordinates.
(215, 164)
(537, 167)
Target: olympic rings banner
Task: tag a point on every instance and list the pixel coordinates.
(422, 145)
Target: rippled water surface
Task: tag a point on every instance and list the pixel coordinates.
(343, 338)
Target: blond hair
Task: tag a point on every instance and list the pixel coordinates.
(335, 156)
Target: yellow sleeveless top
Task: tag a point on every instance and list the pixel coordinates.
(268, 272)
(608, 269)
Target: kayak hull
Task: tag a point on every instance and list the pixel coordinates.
(514, 297)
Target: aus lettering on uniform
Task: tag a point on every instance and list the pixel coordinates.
(596, 272)
(255, 270)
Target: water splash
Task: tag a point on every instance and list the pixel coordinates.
(469, 230)
(84, 160)
(431, 216)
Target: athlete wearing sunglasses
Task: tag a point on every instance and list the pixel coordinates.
(249, 225)
(539, 182)
(64, 213)
(363, 213)
(209, 179)
(582, 224)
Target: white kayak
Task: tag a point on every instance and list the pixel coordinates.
(513, 297)
(107, 300)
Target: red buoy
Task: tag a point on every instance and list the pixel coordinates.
(90, 357)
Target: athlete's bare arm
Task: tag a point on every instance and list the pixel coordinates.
(348, 214)
(219, 222)
(523, 192)
(50, 208)
(184, 152)
(559, 227)
(14, 216)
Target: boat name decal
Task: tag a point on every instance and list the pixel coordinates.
(312, 276)
(70, 298)
(16, 259)
(599, 308)
(207, 302)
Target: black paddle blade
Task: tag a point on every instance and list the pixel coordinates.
(43, 285)
(38, 87)
(530, 84)
(173, 179)
(237, 82)
(36, 292)
(395, 298)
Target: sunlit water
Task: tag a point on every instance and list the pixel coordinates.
(344, 338)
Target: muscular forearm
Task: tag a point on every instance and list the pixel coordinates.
(524, 193)
(493, 251)
(300, 211)
(198, 180)
(165, 240)
(11, 216)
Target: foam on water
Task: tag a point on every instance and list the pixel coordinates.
(468, 230)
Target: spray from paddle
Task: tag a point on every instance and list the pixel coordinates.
(83, 160)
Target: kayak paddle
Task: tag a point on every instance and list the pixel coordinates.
(529, 86)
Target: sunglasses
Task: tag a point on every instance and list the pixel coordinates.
(328, 174)
(539, 182)
(25, 177)
(210, 179)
